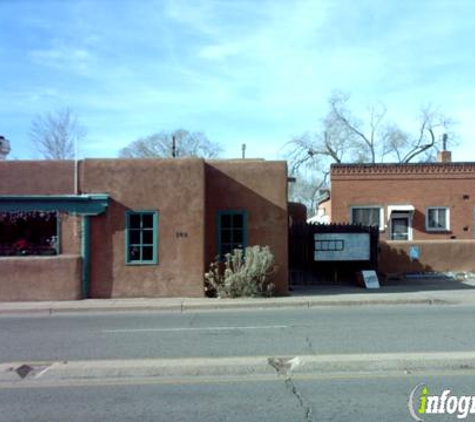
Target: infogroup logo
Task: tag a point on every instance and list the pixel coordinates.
(422, 403)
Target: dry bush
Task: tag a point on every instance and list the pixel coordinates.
(242, 274)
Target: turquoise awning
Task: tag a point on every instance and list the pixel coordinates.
(87, 204)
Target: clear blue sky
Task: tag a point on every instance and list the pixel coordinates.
(255, 71)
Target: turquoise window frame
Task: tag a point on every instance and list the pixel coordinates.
(140, 244)
(231, 213)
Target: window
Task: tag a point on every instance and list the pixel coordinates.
(232, 231)
(29, 233)
(367, 216)
(141, 237)
(400, 224)
(437, 218)
(330, 245)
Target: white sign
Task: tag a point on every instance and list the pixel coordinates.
(341, 247)
(370, 279)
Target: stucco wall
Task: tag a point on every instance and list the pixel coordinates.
(187, 193)
(174, 188)
(46, 177)
(70, 234)
(40, 278)
(297, 213)
(438, 255)
(260, 188)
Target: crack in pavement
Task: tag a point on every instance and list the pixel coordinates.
(293, 389)
(283, 366)
(193, 320)
(310, 345)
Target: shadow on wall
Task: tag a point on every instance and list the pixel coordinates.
(104, 229)
(402, 273)
(399, 273)
(398, 260)
(267, 221)
(427, 255)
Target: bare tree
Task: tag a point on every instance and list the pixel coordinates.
(305, 190)
(343, 137)
(433, 126)
(179, 143)
(57, 134)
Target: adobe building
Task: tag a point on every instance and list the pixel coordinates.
(425, 211)
(117, 228)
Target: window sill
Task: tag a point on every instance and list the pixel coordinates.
(141, 263)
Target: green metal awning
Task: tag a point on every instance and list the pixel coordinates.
(88, 204)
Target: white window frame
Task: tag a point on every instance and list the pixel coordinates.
(447, 219)
(381, 213)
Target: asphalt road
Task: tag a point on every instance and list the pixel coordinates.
(356, 398)
(268, 332)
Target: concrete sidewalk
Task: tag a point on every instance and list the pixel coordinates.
(31, 373)
(401, 292)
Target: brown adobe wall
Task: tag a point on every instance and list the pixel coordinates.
(175, 188)
(260, 188)
(40, 278)
(47, 177)
(34, 277)
(419, 185)
(435, 256)
(70, 233)
(297, 213)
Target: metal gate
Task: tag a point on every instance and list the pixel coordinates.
(331, 253)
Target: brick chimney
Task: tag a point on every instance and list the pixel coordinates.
(444, 156)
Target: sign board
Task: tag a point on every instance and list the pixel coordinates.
(414, 253)
(370, 279)
(341, 247)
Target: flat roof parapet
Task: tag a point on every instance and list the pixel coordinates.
(403, 168)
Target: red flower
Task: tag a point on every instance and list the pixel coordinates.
(21, 244)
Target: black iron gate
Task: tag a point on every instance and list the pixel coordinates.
(305, 269)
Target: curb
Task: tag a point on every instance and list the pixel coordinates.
(50, 372)
(218, 304)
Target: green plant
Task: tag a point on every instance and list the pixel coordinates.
(242, 274)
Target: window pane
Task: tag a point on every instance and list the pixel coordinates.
(237, 237)
(432, 218)
(237, 221)
(147, 221)
(147, 253)
(226, 236)
(373, 218)
(134, 221)
(442, 218)
(232, 235)
(355, 215)
(147, 237)
(142, 237)
(134, 237)
(226, 249)
(400, 228)
(366, 216)
(225, 221)
(437, 218)
(134, 253)
(29, 233)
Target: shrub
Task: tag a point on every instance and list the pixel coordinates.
(242, 274)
